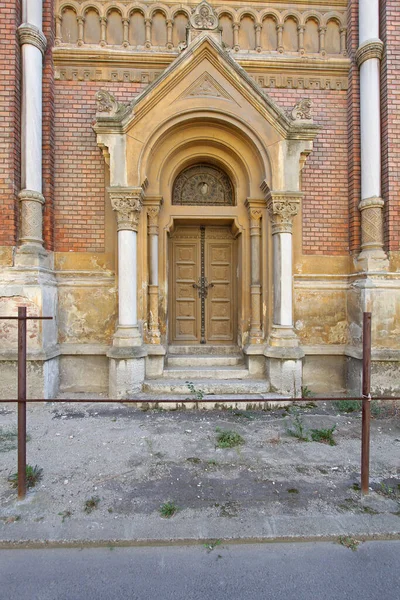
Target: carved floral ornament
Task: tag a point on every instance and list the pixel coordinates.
(204, 17)
(282, 208)
(127, 204)
(203, 185)
(302, 110)
(107, 105)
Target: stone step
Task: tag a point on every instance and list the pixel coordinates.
(238, 372)
(264, 400)
(204, 349)
(207, 386)
(190, 360)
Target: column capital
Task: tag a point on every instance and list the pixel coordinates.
(369, 49)
(282, 208)
(30, 34)
(127, 203)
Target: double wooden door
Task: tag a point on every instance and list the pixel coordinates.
(202, 290)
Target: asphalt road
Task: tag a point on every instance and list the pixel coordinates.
(320, 571)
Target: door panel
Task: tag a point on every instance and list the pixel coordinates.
(186, 270)
(185, 313)
(219, 261)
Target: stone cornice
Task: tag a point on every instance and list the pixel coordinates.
(369, 49)
(30, 34)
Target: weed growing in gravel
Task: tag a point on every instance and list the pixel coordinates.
(197, 395)
(65, 514)
(33, 476)
(298, 429)
(325, 436)
(386, 490)
(91, 504)
(293, 491)
(168, 509)
(9, 439)
(211, 545)
(306, 392)
(348, 406)
(349, 542)
(228, 439)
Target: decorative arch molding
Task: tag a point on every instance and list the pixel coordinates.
(203, 185)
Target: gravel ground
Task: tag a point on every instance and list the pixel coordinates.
(127, 462)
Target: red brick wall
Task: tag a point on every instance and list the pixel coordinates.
(79, 165)
(48, 125)
(10, 102)
(353, 114)
(325, 175)
(390, 105)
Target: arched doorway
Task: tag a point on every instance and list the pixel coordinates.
(202, 262)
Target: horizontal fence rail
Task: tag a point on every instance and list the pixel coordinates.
(22, 400)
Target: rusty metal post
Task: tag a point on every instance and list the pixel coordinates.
(21, 402)
(366, 403)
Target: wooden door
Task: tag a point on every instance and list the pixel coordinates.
(202, 289)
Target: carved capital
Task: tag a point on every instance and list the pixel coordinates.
(282, 208)
(152, 214)
(127, 204)
(30, 34)
(369, 49)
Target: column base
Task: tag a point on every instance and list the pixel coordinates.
(33, 255)
(126, 372)
(283, 336)
(155, 360)
(255, 359)
(285, 370)
(126, 337)
(373, 259)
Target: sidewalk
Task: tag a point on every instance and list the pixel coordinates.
(129, 462)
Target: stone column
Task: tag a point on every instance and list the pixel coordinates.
(152, 214)
(279, 29)
(258, 37)
(285, 367)
(127, 204)
(236, 46)
(170, 24)
(255, 208)
(127, 355)
(147, 23)
(368, 56)
(125, 25)
(33, 46)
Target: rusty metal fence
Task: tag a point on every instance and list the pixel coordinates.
(22, 400)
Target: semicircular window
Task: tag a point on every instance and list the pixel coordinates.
(203, 185)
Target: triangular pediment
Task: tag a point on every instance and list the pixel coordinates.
(203, 72)
(206, 86)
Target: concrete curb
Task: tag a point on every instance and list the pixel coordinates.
(186, 529)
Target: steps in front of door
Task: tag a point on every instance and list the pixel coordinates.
(224, 387)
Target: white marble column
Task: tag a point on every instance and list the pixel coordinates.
(282, 208)
(127, 204)
(368, 58)
(33, 45)
(153, 211)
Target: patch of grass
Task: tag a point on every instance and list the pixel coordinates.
(9, 439)
(168, 509)
(298, 429)
(65, 514)
(386, 490)
(243, 413)
(325, 436)
(194, 459)
(293, 491)
(349, 542)
(211, 545)
(356, 487)
(228, 438)
(91, 504)
(11, 519)
(348, 406)
(33, 476)
(196, 394)
(212, 462)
